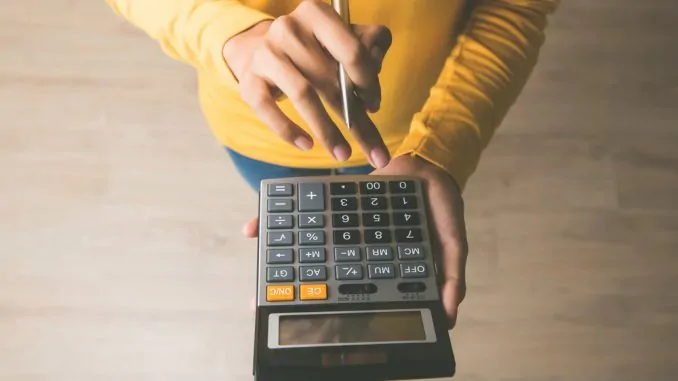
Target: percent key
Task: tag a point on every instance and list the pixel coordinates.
(316, 237)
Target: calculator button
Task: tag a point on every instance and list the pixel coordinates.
(413, 270)
(312, 255)
(283, 221)
(280, 190)
(408, 235)
(409, 252)
(311, 197)
(313, 292)
(406, 186)
(280, 274)
(347, 254)
(314, 220)
(357, 288)
(349, 272)
(341, 189)
(379, 253)
(374, 203)
(312, 273)
(344, 204)
(385, 271)
(373, 187)
(279, 256)
(280, 238)
(376, 219)
(312, 237)
(280, 293)
(346, 237)
(280, 205)
(404, 202)
(345, 220)
(407, 287)
(406, 218)
(377, 236)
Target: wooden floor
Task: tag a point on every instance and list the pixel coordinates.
(120, 249)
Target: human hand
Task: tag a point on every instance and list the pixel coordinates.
(297, 56)
(446, 211)
(449, 228)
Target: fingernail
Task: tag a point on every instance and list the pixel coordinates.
(380, 157)
(342, 152)
(303, 143)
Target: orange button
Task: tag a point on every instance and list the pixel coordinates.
(313, 292)
(279, 293)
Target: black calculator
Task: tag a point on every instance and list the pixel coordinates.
(348, 282)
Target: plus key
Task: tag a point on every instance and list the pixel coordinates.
(311, 197)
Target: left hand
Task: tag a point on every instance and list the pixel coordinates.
(447, 215)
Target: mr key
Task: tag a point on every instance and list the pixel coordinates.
(355, 251)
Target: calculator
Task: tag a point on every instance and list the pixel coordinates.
(348, 283)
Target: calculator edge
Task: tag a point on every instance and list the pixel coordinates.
(434, 305)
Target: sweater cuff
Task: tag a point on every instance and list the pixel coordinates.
(457, 151)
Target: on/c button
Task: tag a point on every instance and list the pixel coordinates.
(280, 293)
(313, 292)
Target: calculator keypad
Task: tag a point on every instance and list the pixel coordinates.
(344, 239)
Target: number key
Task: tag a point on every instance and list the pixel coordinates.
(406, 218)
(373, 187)
(374, 203)
(406, 186)
(375, 219)
(408, 235)
(344, 203)
(377, 236)
(345, 220)
(346, 237)
(404, 202)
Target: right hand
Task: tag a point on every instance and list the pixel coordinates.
(297, 56)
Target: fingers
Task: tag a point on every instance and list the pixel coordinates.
(251, 228)
(279, 70)
(342, 44)
(298, 57)
(450, 236)
(259, 95)
(369, 140)
(378, 39)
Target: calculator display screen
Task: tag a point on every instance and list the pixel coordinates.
(351, 328)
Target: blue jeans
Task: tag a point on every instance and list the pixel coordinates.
(253, 171)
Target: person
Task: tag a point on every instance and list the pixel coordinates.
(434, 79)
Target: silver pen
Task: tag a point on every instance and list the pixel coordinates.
(341, 7)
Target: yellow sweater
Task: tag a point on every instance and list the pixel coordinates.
(450, 77)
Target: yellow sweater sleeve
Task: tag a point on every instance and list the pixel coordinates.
(480, 80)
(192, 31)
